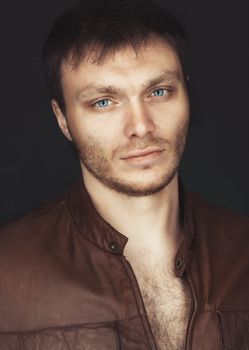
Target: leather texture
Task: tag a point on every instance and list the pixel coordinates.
(66, 284)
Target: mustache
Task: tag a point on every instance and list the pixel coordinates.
(140, 144)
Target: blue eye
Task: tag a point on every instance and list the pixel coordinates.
(159, 92)
(102, 103)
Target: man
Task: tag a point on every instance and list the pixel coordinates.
(127, 259)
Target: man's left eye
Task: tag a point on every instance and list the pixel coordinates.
(102, 103)
(159, 92)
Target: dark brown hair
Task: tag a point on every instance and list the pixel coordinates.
(93, 28)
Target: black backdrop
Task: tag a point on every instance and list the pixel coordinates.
(38, 164)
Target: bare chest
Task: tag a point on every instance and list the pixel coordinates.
(167, 302)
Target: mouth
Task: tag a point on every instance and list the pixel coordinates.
(147, 155)
(142, 153)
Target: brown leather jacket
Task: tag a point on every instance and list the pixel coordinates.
(65, 283)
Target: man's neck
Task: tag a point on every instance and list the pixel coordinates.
(151, 223)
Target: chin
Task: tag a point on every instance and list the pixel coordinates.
(138, 188)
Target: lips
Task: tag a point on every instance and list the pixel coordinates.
(142, 153)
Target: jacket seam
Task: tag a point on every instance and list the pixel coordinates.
(66, 341)
(21, 344)
(89, 325)
(222, 310)
(117, 336)
(232, 311)
(221, 330)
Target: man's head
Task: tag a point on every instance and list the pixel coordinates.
(93, 28)
(117, 81)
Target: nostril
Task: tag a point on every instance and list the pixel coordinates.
(141, 127)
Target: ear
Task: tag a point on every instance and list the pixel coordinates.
(61, 119)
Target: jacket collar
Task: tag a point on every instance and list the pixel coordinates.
(94, 228)
(184, 253)
(90, 224)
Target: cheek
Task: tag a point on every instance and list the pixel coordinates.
(173, 122)
(93, 139)
(102, 133)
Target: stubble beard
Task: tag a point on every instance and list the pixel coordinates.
(99, 165)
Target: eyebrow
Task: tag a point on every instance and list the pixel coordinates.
(92, 89)
(168, 76)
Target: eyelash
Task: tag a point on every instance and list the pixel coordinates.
(165, 92)
(101, 100)
(160, 89)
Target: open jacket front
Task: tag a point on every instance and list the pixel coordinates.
(65, 283)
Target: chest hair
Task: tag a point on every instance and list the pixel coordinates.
(167, 301)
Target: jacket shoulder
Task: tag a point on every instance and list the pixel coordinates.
(217, 220)
(35, 224)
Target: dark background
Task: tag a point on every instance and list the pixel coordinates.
(37, 163)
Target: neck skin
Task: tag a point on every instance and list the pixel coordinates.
(151, 224)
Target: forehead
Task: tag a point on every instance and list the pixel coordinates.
(126, 63)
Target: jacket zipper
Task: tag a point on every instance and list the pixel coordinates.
(145, 322)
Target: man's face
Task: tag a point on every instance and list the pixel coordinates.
(127, 117)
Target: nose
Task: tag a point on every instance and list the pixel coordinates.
(139, 121)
